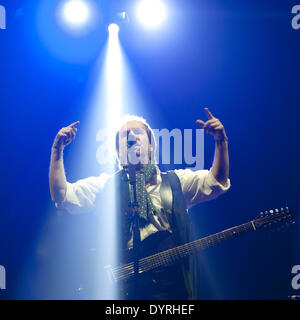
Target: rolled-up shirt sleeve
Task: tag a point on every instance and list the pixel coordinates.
(200, 186)
(81, 195)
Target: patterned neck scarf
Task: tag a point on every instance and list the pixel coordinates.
(145, 206)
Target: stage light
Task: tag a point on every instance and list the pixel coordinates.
(104, 114)
(76, 12)
(124, 15)
(151, 13)
(113, 28)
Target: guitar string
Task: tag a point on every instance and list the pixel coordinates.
(153, 261)
(164, 258)
(150, 262)
(167, 256)
(161, 259)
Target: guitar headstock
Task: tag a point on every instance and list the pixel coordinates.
(271, 218)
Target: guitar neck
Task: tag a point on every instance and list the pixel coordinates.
(167, 257)
(171, 255)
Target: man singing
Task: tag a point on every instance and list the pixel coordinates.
(157, 220)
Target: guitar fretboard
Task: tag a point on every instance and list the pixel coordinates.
(169, 256)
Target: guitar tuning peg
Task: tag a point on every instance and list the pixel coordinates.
(259, 216)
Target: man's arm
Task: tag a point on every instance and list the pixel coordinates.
(220, 167)
(57, 177)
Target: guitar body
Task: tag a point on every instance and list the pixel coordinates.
(153, 261)
(159, 269)
(162, 282)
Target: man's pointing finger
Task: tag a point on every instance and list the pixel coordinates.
(73, 125)
(208, 113)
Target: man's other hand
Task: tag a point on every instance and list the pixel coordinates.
(213, 126)
(65, 136)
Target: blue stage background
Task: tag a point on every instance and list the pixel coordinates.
(239, 59)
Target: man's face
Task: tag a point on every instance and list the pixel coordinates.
(134, 144)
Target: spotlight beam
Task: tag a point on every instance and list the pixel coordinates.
(112, 82)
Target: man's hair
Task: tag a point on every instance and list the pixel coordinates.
(151, 137)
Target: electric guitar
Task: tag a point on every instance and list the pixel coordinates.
(265, 220)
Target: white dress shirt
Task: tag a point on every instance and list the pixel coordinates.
(197, 186)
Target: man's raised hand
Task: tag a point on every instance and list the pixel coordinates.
(65, 136)
(213, 126)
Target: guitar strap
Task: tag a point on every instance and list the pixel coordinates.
(166, 195)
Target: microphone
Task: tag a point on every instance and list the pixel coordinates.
(132, 174)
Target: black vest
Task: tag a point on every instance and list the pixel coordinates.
(173, 203)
